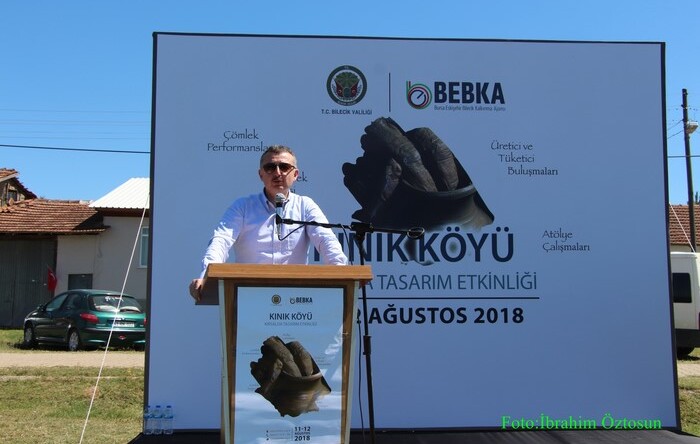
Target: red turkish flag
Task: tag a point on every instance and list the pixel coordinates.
(51, 280)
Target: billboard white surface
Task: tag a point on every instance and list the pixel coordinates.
(541, 284)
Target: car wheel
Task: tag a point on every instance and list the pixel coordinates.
(74, 343)
(29, 337)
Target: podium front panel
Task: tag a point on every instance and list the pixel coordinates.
(287, 362)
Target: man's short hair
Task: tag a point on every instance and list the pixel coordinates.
(277, 149)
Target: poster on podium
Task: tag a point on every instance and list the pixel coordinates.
(289, 370)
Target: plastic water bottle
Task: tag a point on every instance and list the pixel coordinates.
(157, 417)
(147, 421)
(168, 420)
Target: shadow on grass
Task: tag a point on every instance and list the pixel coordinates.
(63, 348)
(44, 347)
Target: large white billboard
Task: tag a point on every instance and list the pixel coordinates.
(538, 168)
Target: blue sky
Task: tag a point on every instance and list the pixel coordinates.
(77, 74)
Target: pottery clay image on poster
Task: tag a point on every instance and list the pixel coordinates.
(411, 178)
(289, 377)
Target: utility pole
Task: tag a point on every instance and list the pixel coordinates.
(687, 129)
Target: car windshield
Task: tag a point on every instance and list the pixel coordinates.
(111, 302)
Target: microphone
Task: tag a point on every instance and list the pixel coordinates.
(279, 201)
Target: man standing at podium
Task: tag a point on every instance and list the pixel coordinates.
(249, 225)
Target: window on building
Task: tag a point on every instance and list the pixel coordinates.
(79, 281)
(143, 258)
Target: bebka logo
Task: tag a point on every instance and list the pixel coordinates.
(419, 96)
(346, 85)
(300, 300)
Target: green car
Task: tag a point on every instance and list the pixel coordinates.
(83, 319)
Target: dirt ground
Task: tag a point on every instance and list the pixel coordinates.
(75, 359)
(689, 367)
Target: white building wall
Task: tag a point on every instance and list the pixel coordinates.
(106, 256)
(74, 255)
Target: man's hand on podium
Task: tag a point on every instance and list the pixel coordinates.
(196, 289)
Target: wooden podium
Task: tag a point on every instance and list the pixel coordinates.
(287, 347)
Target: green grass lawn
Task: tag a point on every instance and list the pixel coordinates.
(50, 405)
(689, 393)
(689, 396)
(10, 340)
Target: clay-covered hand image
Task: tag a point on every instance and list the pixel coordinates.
(411, 178)
(289, 377)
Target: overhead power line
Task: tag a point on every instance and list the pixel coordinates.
(674, 134)
(92, 150)
(75, 111)
(71, 122)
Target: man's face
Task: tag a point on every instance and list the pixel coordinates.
(272, 174)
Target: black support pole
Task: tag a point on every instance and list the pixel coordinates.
(689, 171)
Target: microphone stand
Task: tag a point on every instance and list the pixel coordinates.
(361, 229)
